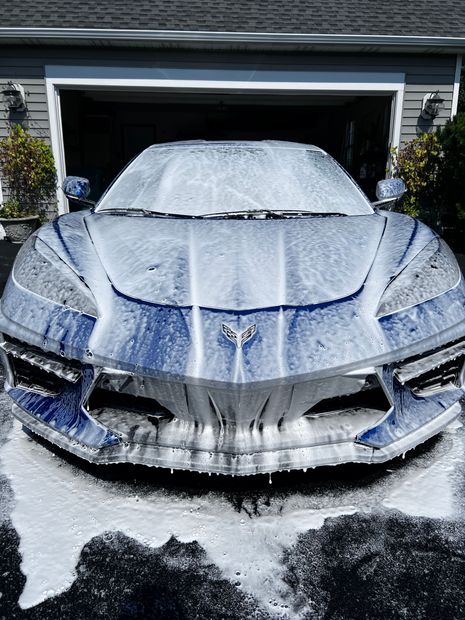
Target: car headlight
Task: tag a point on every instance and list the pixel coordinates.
(433, 271)
(40, 270)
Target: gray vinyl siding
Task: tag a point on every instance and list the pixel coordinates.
(423, 73)
(28, 70)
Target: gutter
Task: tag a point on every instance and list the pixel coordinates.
(186, 36)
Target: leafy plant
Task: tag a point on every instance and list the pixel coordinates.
(28, 170)
(452, 173)
(419, 164)
(11, 208)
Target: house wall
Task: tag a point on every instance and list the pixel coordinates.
(424, 73)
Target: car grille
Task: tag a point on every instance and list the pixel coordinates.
(45, 372)
(237, 405)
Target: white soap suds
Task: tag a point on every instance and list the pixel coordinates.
(200, 178)
(236, 264)
(59, 508)
(429, 492)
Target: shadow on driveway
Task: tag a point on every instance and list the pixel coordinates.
(8, 253)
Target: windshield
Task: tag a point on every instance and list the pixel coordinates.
(204, 178)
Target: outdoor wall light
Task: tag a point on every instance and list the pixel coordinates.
(14, 97)
(432, 104)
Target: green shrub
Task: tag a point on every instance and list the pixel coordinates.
(418, 163)
(28, 170)
(452, 172)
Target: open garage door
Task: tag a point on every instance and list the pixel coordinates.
(103, 130)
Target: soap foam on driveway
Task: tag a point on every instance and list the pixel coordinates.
(59, 506)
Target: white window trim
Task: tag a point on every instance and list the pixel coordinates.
(455, 95)
(175, 78)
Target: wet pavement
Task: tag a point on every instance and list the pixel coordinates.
(358, 541)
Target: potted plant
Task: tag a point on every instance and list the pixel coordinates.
(28, 173)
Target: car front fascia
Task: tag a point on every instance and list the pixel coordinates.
(78, 431)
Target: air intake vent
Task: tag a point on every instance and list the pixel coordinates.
(101, 399)
(438, 379)
(29, 377)
(372, 397)
(36, 370)
(434, 371)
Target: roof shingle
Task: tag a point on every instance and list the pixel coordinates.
(369, 17)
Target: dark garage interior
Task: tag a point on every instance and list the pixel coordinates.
(104, 130)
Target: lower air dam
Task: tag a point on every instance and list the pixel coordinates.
(359, 417)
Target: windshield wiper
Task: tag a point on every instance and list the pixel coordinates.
(265, 214)
(270, 214)
(148, 213)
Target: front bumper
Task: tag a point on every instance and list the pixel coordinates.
(370, 414)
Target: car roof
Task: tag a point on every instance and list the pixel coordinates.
(240, 143)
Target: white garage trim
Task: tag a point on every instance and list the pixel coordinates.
(455, 96)
(233, 80)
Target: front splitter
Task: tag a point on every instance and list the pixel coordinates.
(240, 464)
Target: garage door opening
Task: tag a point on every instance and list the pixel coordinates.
(104, 130)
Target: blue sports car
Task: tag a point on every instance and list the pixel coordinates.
(237, 308)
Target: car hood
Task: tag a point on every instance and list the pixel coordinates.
(236, 264)
(318, 259)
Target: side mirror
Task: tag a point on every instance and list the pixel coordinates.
(389, 190)
(77, 188)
